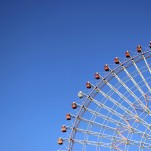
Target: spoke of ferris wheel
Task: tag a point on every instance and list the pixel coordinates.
(135, 97)
(117, 123)
(83, 142)
(97, 134)
(121, 95)
(118, 114)
(112, 111)
(141, 75)
(109, 109)
(95, 123)
(118, 104)
(100, 135)
(132, 79)
(137, 118)
(135, 131)
(109, 145)
(131, 130)
(146, 63)
(105, 117)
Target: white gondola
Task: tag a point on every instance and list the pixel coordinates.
(80, 94)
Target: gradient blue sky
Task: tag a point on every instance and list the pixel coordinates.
(48, 50)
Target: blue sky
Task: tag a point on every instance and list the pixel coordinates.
(48, 50)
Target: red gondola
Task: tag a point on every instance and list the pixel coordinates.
(150, 44)
(63, 128)
(106, 68)
(127, 54)
(116, 60)
(68, 116)
(139, 48)
(74, 105)
(97, 76)
(60, 141)
(88, 85)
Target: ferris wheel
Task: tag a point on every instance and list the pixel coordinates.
(114, 114)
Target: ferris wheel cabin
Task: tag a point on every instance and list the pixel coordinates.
(88, 85)
(60, 141)
(68, 116)
(116, 60)
(74, 105)
(139, 48)
(106, 67)
(97, 76)
(63, 128)
(127, 54)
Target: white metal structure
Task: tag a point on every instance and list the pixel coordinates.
(115, 113)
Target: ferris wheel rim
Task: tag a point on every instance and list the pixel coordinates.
(94, 91)
(75, 125)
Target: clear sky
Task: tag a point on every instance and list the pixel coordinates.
(48, 50)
